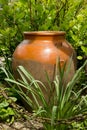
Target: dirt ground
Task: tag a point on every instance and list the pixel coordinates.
(22, 125)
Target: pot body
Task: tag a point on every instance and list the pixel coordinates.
(39, 52)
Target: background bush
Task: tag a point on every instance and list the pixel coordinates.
(17, 16)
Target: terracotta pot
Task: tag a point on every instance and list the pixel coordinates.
(39, 51)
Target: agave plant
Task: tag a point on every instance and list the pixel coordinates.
(65, 102)
(68, 103)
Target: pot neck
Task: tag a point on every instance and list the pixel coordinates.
(44, 35)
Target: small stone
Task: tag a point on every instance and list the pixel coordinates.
(25, 129)
(18, 125)
(6, 127)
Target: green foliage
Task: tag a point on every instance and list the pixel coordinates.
(7, 113)
(34, 15)
(5, 63)
(66, 103)
(79, 126)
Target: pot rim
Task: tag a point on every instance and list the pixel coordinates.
(45, 33)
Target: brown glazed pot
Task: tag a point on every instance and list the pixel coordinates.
(38, 53)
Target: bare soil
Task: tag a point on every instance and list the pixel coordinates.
(22, 125)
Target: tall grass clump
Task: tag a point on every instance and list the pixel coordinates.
(65, 102)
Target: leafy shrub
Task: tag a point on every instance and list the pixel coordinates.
(34, 15)
(7, 113)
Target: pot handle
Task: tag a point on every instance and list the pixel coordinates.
(58, 44)
(62, 44)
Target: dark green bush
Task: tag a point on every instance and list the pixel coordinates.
(32, 15)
